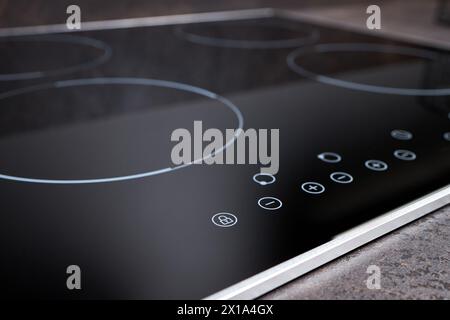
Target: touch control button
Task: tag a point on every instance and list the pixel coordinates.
(447, 136)
(313, 187)
(264, 178)
(341, 177)
(376, 165)
(329, 157)
(405, 155)
(401, 135)
(270, 203)
(224, 219)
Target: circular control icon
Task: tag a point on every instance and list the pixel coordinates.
(405, 155)
(329, 157)
(401, 135)
(376, 165)
(270, 203)
(264, 178)
(224, 219)
(341, 177)
(447, 136)
(313, 187)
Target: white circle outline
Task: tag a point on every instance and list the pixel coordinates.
(312, 37)
(447, 136)
(322, 155)
(385, 165)
(396, 154)
(313, 192)
(224, 213)
(128, 81)
(401, 131)
(270, 198)
(364, 47)
(341, 173)
(264, 183)
(72, 39)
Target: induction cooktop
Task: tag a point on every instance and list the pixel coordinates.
(86, 176)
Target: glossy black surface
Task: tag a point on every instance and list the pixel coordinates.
(153, 237)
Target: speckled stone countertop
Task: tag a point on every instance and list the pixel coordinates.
(414, 262)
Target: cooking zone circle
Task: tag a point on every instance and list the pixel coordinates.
(40, 41)
(136, 82)
(364, 48)
(244, 35)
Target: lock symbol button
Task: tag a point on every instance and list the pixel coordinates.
(224, 219)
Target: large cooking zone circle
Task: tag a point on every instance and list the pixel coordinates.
(426, 62)
(33, 57)
(248, 34)
(98, 90)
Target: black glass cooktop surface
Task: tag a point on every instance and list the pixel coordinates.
(87, 179)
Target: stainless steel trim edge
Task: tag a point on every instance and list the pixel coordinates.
(278, 275)
(141, 22)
